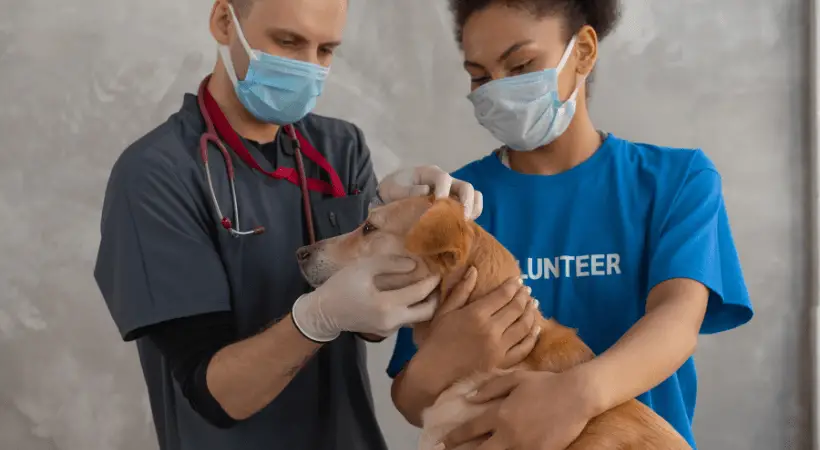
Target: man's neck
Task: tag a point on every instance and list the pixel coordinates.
(243, 122)
(575, 146)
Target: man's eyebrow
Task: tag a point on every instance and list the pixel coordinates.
(279, 32)
(506, 54)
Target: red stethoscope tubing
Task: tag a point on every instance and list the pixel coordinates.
(216, 124)
(300, 168)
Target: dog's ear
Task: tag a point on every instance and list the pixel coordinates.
(442, 236)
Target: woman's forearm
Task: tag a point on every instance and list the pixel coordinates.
(652, 350)
(409, 405)
(417, 387)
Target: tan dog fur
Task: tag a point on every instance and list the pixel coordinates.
(441, 241)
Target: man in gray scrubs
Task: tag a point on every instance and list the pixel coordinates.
(227, 365)
(236, 350)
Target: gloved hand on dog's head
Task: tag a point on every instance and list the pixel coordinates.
(423, 180)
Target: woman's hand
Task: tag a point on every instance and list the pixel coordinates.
(456, 298)
(495, 331)
(424, 180)
(528, 411)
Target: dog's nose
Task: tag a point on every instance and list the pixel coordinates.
(303, 254)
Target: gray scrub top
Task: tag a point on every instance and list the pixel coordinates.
(163, 255)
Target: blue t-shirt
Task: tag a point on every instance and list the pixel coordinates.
(594, 240)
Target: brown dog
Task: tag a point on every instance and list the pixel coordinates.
(436, 235)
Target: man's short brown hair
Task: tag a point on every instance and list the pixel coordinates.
(242, 7)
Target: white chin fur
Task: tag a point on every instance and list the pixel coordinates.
(317, 272)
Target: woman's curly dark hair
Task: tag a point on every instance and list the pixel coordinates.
(601, 15)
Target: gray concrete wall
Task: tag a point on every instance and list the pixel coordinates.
(80, 79)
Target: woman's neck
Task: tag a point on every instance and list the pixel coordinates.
(243, 122)
(576, 145)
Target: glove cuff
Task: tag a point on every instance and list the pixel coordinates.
(305, 320)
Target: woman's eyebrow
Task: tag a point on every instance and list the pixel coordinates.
(504, 55)
(474, 65)
(513, 48)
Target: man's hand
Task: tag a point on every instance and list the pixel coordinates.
(423, 180)
(350, 301)
(497, 330)
(528, 411)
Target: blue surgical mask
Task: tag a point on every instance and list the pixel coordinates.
(524, 111)
(275, 89)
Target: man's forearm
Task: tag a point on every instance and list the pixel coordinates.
(651, 351)
(246, 376)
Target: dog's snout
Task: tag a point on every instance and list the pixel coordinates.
(313, 263)
(303, 254)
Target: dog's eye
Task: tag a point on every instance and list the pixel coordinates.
(368, 228)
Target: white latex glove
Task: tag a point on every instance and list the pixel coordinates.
(421, 180)
(350, 301)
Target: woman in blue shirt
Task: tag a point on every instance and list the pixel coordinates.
(629, 243)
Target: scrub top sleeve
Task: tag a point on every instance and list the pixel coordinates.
(695, 242)
(403, 351)
(156, 260)
(188, 345)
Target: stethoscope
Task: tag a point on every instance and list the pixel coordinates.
(217, 124)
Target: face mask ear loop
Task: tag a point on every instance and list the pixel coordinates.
(577, 88)
(567, 53)
(563, 62)
(248, 50)
(225, 54)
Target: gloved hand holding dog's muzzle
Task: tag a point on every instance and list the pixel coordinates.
(351, 301)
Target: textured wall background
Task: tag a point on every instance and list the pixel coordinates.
(81, 79)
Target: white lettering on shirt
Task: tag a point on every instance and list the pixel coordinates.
(571, 266)
(613, 261)
(581, 265)
(597, 265)
(553, 268)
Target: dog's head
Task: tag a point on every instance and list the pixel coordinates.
(434, 233)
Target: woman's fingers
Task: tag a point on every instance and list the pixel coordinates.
(460, 293)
